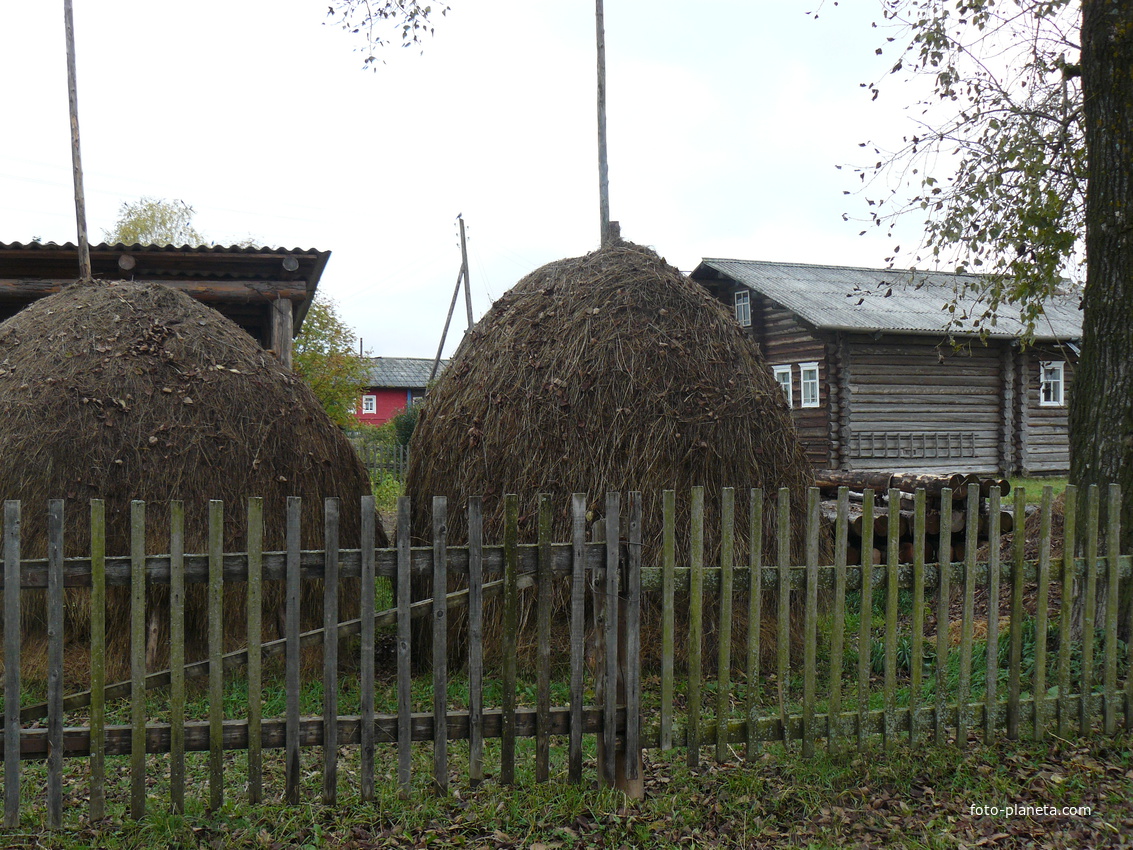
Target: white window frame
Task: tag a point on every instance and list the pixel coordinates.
(805, 382)
(369, 405)
(742, 303)
(1052, 375)
(783, 379)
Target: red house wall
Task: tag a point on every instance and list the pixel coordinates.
(390, 402)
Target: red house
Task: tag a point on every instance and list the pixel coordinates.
(395, 383)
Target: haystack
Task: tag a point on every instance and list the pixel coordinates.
(607, 372)
(123, 391)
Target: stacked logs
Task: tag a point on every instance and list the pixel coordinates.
(949, 531)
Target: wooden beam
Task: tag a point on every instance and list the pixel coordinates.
(209, 291)
(282, 330)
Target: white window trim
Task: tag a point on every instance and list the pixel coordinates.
(369, 404)
(779, 372)
(745, 321)
(1052, 365)
(803, 369)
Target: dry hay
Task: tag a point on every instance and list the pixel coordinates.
(608, 372)
(123, 391)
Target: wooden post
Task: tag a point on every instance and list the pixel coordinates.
(282, 329)
(464, 271)
(603, 165)
(448, 320)
(76, 158)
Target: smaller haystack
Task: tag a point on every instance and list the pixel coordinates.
(121, 391)
(611, 371)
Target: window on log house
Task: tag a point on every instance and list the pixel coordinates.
(808, 374)
(369, 404)
(783, 378)
(743, 308)
(1050, 384)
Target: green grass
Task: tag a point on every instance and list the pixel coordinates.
(1034, 487)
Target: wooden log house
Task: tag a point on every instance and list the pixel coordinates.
(878, 379)
(266, 291)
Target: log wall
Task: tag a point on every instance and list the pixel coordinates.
(1045, 449)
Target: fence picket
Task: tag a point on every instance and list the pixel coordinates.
(440, 644)
(543, 643)
(724, 627)
(810, 621)
(891, 597)
(98, 664)
(783, 624)
(991, 663)
(11, 671)
(577, 634)
(695, 623)
(255, 640)
(943, 597)
(216, 652)
(1015, 634)
(964, 690)
(55, 663)
(404, 659)
(866, 614)
(476, 642)
(330, 651)
(916, 672)
(366, 650)
(1069, 530)
(291, 635)
(668, 613)
(138, 658)
(632, 652)
(1089, 610)
(511, 622)
(1043, 600)
(611, 588)
(754, 614)
(1113, 597)
(838, 624)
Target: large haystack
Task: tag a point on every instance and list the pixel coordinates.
(124, 391)
(607, 372)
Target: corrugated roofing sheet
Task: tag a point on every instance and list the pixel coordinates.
(409, 372)
(870, 300)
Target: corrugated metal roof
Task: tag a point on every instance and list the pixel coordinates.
(409, 372)
(871, 300)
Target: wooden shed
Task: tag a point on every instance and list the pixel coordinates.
(266, 291)
(877, 379)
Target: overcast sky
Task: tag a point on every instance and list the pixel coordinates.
(727, 119)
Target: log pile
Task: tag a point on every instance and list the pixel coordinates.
(940, 530)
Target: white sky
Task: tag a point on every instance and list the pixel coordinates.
(726, 120)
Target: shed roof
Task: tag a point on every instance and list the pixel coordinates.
(409, 372)
(888, 300)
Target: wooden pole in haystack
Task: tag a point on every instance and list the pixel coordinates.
(603, 165)
(76, 158)
(462, 275)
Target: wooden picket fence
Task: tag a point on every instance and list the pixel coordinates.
(831, 696)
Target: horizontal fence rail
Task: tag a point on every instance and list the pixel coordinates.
(709, 636)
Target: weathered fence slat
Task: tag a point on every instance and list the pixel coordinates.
(55, 663)
(724, 623)
(1113, 601)
(216, 652)
(476, 640)
(291, 636)
(98, 663)
(1089, 607)
(404, 659)
(838, 615)
(783, 623)
(632, 653)
(668, 612)
(810, 621)
(366, 650)
(577, 635)
(866, 615)
(11, 671)
(543, 644)
(1015, 633)
(1043, 600)
(889, 693)
(1069, 530)
(754, 613)
(916, 672)
(695, 624)
(967, 615)
(138, 657)
(511, 623)
(943, 597)
(440, 643)
(255, 640)
(331, 508)
(991, 663)
(608, 756)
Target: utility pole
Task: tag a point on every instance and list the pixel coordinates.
(462, 275)
(76, 158)
(464, 266)
(603, 166)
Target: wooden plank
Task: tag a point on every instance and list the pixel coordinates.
(255, 609)
(98, 662)
(865, 616)
(176, 656)
(1089, 610)
(964, 693)
(943, 593)
(668, 612)
(810, 621)
(631, 660)
(991, 664)
(754, 615)
(1015, 633)
(1042, 603)
(138, 659)
(695, 624)
(331, 508)
(55, 663)
(291, 635)
(889, 693)
(1065, 624)
(476, 641)
(543, 592)
(440, 642)
(1113, 597)
(783, 624)
(838, 615)
(724, 623)
(610, 660)
(511, 626)
(366, 649)
(577, 636)
(216, 651)
(404, 658)
(916, 672)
